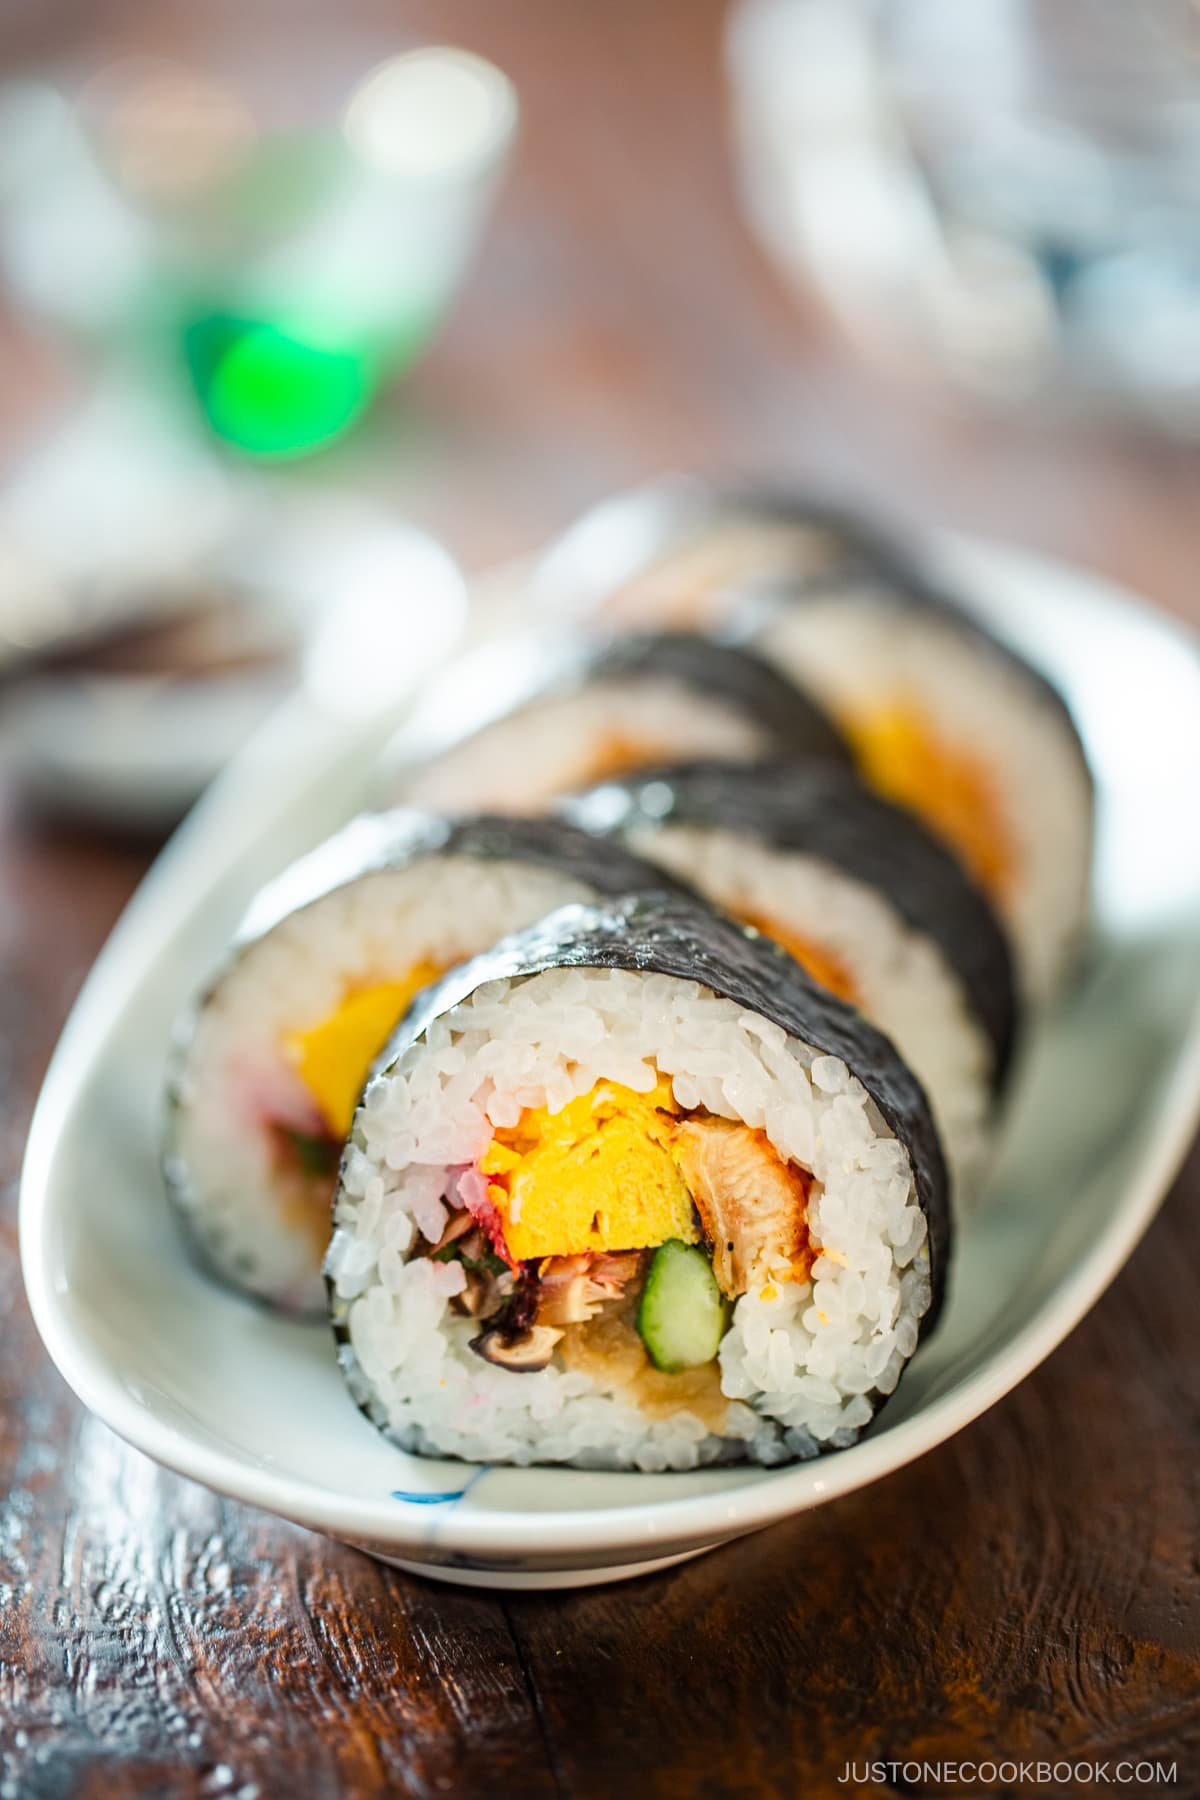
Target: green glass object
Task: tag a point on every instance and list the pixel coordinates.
(275, 390)
(248, 236)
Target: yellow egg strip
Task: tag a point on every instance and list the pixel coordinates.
(334, 1058)
(823, 965)
(597, 1175)
(906, 759)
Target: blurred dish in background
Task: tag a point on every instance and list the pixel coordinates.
(128, 717)
(1007, 191)
(288, 257)
(106, 523)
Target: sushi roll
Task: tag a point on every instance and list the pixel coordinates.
(268, 1065)
(942, 717)
(630, 1190)
(678, 554)
(951, 724)
(860, 894)
(619, 707)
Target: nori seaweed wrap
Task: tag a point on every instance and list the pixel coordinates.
(944, 716)
(630, 1189)
(269, 1062)
(861, 894)
(607, 709)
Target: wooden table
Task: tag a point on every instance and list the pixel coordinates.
(1031, 1591)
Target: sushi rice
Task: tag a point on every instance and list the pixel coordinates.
(1008, 787)
(808, 1356)
(898, 975)
(269, 1062)
(621, 706)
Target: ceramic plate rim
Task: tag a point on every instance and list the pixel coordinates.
(646, 1525)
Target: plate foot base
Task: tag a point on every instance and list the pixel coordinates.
(538, 1578)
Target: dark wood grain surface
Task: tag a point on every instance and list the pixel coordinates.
(1031, 1591)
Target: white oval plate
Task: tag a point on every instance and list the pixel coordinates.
(255, 1408)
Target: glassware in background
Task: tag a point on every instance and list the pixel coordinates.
(221, 227)
(1006, 190)
(230, 258)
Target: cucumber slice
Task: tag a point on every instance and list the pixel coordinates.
(682, 1317)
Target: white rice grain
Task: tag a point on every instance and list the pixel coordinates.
(800, 1359)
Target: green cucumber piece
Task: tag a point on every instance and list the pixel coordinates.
(683, 1315)
(488, 1264)
(315, 1154)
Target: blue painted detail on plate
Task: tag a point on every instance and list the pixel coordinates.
(450, 1498)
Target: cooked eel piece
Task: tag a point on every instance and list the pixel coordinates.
(753, 1206)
